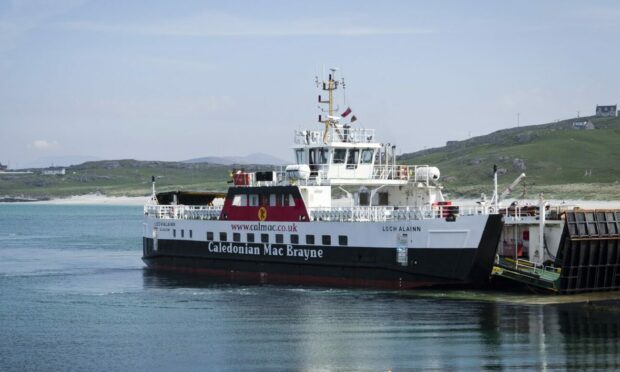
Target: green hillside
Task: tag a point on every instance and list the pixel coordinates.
(558, 159)
(117, 177)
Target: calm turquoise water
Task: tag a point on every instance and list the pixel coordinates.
(74, 296)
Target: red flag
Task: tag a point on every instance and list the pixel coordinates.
(346, 112)
(353, 118)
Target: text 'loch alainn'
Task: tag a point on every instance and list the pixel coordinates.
(402, 228)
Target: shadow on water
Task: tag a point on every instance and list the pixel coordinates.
(173, 279)
(559, 336)
(404, 328)
(592, 334)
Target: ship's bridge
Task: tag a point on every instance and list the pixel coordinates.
(345, 155)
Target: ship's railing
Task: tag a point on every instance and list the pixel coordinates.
(528, 213)
(412, 173)
(350, 214)
(335, 135)
(391, 213)
(323, 174)
(183, 212)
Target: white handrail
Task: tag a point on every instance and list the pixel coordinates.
(391, 213)
(335, 214)
(335, 135)
(183, 212)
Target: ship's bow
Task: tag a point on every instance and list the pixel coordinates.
(487, 248)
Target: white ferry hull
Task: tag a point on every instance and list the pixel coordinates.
(390, 254)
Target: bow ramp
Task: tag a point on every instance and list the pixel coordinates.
(564, 251)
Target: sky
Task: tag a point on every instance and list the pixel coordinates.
(174, 80)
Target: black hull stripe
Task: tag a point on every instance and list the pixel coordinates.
(255, 277)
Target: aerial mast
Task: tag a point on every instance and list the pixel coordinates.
(329, 86)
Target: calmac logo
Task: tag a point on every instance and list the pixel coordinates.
(262, 214)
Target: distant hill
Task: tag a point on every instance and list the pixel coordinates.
(118, 177)
(554, 154)
(256, 158)
(559, 160)
(57, 161)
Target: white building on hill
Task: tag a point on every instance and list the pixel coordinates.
(606, 111)
(583, 124)
(57, 171)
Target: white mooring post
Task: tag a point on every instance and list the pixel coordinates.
(540, 253)
(495, 195)
(153, 192)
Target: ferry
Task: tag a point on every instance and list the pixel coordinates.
(344, 214)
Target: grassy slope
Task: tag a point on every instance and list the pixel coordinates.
(556, 159)
(122, 177)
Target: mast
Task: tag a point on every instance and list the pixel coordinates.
(329, 86)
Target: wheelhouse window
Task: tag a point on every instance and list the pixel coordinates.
(319, 155)
(339, 156)
(253, 200)
(384, 198)
(353, 158)
(323, 155)
(300, 156)
(240, 200)
(367, 155)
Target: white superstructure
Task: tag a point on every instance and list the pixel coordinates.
(345, 205)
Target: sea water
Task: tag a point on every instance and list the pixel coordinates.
(74, 295)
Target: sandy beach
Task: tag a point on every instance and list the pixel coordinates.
(585, 204)
(97, 199)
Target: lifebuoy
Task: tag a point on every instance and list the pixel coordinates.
(262, 214)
